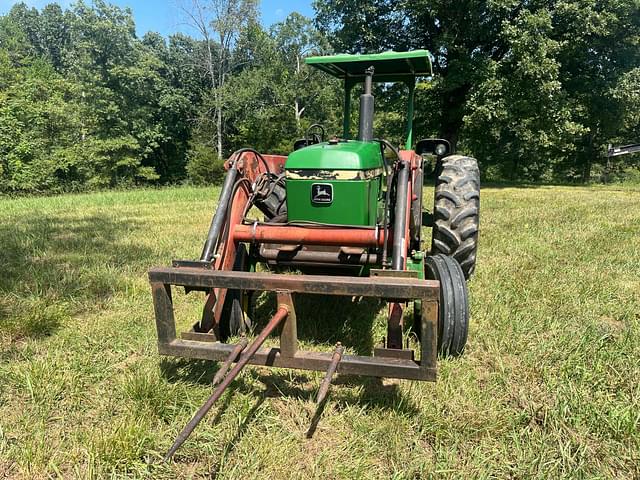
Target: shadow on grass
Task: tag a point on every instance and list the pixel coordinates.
(371, 392)
(328, 319)
(237, 436)
(195, 372)
(54, 266)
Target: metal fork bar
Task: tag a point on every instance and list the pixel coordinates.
(318, 361)
(381, 287)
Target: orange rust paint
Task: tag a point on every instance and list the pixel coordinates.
(352, 237)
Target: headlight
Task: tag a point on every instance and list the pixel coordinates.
(441, 149)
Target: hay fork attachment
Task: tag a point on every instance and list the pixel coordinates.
(384, 363)
(280, 315)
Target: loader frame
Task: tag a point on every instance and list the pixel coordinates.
(386, 362)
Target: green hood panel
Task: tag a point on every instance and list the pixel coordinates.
(344, 155)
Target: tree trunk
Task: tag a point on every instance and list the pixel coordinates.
(453, 103)
(588, 161)
(212, 78)
(219, 131)
(586, 170)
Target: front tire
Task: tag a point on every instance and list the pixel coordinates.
(453, 307)
(457, 211)
(453, 322)
(237, 308)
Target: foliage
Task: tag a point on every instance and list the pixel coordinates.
(533, 89)
(272, 103)
(536, 90)
(96, 112)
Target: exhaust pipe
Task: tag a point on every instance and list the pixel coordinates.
(365, 130)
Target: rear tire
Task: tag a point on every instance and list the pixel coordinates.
(456, 211)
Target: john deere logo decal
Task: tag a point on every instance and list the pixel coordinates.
(321, 193)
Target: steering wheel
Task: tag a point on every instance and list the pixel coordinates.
(312, 135)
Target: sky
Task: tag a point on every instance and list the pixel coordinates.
(163, 15)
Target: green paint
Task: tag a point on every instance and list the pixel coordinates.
(410, 101)
(389, 66)
(349, 155)
(354, 202)
(416, 263)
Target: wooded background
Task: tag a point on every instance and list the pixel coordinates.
(536, 90)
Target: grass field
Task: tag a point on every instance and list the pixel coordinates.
(548, 387)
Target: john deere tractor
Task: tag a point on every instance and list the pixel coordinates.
(346, 213)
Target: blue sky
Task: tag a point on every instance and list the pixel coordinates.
(163, 15)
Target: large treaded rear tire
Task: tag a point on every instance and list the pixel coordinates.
(457, 211)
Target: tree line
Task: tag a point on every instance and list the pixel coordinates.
(535, 90)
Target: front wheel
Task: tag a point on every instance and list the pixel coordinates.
(237, 309)
(453, 308)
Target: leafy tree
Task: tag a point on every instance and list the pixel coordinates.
(39, 127)
(121, 111)
(526, 86)
(219, 23)
(275, 100)
(599, 51)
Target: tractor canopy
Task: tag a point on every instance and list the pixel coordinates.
(389, 67)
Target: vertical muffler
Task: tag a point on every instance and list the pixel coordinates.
(365, 129)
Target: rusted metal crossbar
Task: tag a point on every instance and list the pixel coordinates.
(398, 288)
(205, 346)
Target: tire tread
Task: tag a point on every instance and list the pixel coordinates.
(457, 211)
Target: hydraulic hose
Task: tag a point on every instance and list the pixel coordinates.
(226, 194)
(221, 212)
(387, 198)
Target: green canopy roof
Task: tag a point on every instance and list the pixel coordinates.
(389, 66)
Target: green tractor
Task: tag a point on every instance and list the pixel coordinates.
(347, 213)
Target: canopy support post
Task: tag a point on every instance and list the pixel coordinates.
(412, 89)
(346, 124)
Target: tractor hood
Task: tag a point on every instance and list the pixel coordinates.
(337, 182)
(342, 155)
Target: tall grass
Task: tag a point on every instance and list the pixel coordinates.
(548, 387)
